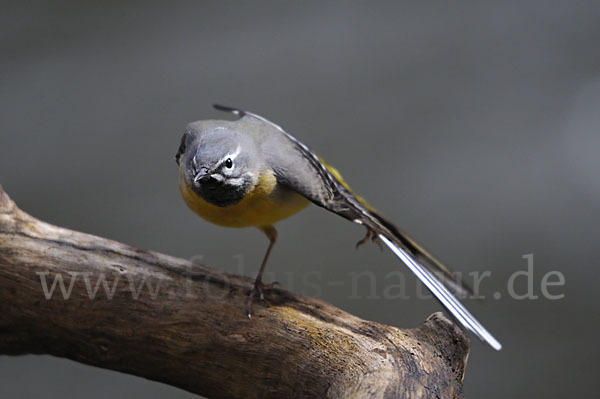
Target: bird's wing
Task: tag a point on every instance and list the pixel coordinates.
(311, 177)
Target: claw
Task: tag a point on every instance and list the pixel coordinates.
(371, 235)
(253, 291)
(365, 239)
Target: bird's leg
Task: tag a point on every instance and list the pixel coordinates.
(371, 235)
(258, 284)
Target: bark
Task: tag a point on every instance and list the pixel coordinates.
(188, 328)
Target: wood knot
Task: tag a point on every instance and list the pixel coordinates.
(102, 346)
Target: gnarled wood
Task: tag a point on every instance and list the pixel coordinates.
(190, 330)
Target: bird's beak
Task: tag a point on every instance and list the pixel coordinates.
(203, 174)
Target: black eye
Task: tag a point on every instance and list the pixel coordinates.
(228, 163)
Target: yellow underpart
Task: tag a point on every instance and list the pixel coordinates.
(266, 204)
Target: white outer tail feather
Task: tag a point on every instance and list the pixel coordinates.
(444, 296)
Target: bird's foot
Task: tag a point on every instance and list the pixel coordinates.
(258, 288)
(371, 235)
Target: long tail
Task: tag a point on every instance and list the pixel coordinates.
(408, 252)
(425, 266)
(424, 258)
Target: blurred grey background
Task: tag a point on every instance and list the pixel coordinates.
(474, 126)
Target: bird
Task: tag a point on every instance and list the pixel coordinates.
(250, 172)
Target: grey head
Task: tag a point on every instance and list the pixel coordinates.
(218, 161)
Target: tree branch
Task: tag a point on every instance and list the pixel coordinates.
(188, 328)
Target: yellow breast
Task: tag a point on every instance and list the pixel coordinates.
(266, 204)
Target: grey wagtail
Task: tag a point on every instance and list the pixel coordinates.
(251, 172)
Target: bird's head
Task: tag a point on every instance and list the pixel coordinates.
(217, 162)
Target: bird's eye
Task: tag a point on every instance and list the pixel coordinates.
(228, 163)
